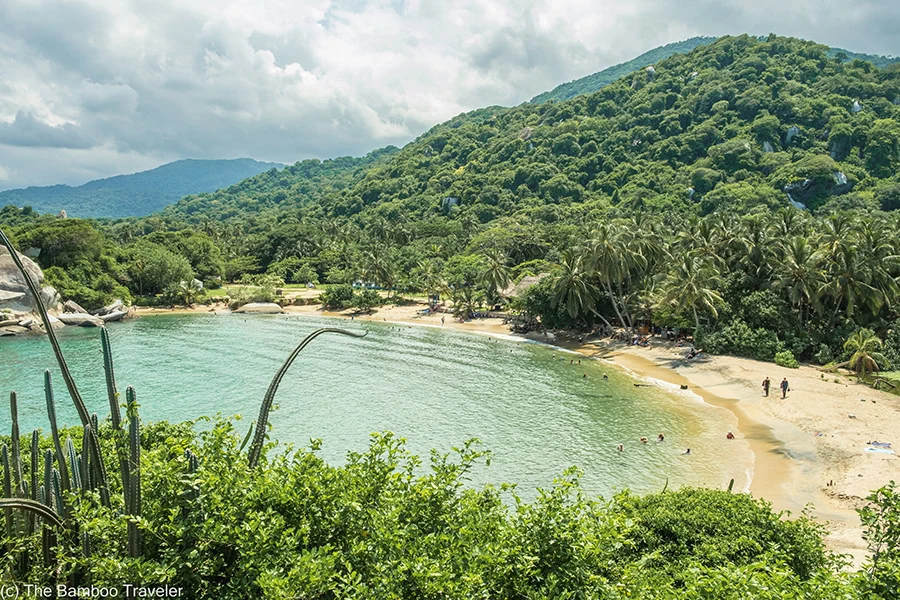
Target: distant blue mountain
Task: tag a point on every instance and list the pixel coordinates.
(140, 193)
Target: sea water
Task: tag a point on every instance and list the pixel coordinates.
(536, 411)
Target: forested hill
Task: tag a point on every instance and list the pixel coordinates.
(596, 81)
(732, 124)
(139, 193)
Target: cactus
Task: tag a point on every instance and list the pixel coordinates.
(133, 493)
(259, 435)
(111, 391)
(85, 462)
(114, 412)
(16, 453)
(76, 483)
(54, 432)
(35, 462)
(51, 335)
(7, 489)
(48, 479)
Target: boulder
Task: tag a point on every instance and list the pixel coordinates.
(260, 308)
(4, 322)
(70, 306)
(14, 330)
(80, 319)
(767, 147)
(14, 289)
(841, 184)
(116, 315)
(792, 132)
(857, 107)
(116, 306)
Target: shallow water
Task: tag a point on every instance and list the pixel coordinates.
(535, 411)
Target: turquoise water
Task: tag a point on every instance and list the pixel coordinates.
(436, 388)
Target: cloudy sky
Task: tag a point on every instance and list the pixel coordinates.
(91, 88)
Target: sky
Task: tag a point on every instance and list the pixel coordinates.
(93, 88)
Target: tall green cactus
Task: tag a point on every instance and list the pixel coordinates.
(7, 488)
(54, 432)
(259, 436)
(18, 482)
(133, 493)
(74, 469)
(115, 414)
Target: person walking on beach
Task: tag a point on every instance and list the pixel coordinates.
(767, 383)
(785, 386)
(442, 320)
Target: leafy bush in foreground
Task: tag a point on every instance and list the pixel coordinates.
(385, 526)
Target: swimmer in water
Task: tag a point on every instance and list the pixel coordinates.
(643, 439)
(688, 451)
(621, 447)
(604, 376)
(660, 438)
(729, 436)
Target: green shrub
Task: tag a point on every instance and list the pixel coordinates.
(337, 296)
(739, 339)
(786, 359)
(824, 354)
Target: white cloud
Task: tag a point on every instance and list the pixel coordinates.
(92, 88)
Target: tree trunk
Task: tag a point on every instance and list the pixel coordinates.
(696, 321)
(612, 299)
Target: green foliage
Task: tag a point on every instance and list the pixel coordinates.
(786, 358)
(337, 297)
(881, 523)
(365, 300)
(739, 339)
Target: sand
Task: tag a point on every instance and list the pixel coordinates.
(800, 443)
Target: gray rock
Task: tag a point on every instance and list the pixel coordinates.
(857, 107)
(70, 306)
(116, 315)
(260, 308)
(792, 132)
(841, 184)
(49, 297)
(26, 323)
(7, 322)
(690, 193)
(115, 306)
(14, 330)
(13, 287)
(62, 214)
(897, 100)
(767, 147)
(80, 319)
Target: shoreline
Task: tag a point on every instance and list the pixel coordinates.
(798, 444)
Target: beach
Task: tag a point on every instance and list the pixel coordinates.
(801, 443)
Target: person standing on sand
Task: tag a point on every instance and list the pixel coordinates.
(442, 320)
(785, 386)
(767, 383)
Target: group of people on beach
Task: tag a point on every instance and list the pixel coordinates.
(784, 385)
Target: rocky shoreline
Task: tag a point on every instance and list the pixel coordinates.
(19, 309)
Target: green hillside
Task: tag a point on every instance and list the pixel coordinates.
(592, 83)
(596, 81)
(736, 122)
(139, 193)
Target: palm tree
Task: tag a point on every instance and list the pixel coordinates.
(800, 273)
(691, 285)
(575, 287)
(866, 347)
(495, 276)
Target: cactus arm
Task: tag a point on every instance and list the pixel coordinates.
(259, 435)
(31, 506)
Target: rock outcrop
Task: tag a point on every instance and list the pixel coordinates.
(14, 295)
(260, 308)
